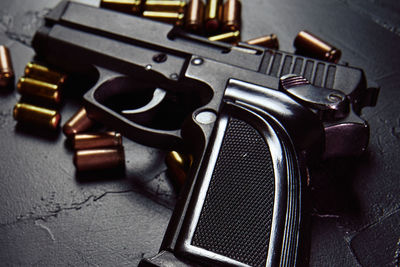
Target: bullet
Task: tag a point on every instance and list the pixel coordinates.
(39, 89)
(194, 15)
(268, 41)
(99, 159)
(212, 15)
(126, 6)
(6, 67)
(175, 18)
(231, 16)
(228, 37)
(312, 46)
(43, 73)
(178, 165)
(38, 116)
(165, 5)
(96, 140)
(78, 123)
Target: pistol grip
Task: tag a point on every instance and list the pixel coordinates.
(245, 209)
(236, 218)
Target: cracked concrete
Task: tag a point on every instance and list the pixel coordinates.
(396, 260)
(21, 27)
(50, 207)
(377, 243)
(53, 209)
(47, 229)
(99, 224)
(382, 12)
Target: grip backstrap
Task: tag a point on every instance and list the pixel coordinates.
(245, 205)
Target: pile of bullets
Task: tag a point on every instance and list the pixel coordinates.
(104, 150)
(40, 89)
(195, 16)
(218, 20)
(93, 151)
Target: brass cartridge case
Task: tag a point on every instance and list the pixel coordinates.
(194, 15)
(43, 73)
(312, 46)
(268, 41)
(126, 6)
(178, 165)
(99, 159)
(78, 123)
(38, 116)
(231, 16)
(165, 5)
(228, 37)
(212, 15)
(175, 18)
(96, 140)
(6, 67)
(39, 89)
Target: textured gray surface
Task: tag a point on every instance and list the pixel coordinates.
(50, 216)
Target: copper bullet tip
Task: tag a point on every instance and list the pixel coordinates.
(79, 122)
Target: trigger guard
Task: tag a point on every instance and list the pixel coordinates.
(102, 90)
(147, 112)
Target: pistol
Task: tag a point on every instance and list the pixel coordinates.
(254, 119)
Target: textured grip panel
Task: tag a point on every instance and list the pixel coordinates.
(236, 217)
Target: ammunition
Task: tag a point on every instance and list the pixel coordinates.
(38, 116)
(98, 159)
(127, 6)
(6, 68)
(78, 123)
(168, 17)
(228, 37)
(96, 140)
(43, 73)
(39, 89)
(194, 15)
(231, 15)
(310, 45)
(269, 41)
(165, 5)
(178, 165)
(212, 15)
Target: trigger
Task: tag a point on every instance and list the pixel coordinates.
(147, 112)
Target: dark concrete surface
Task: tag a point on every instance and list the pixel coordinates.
(51, 216)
